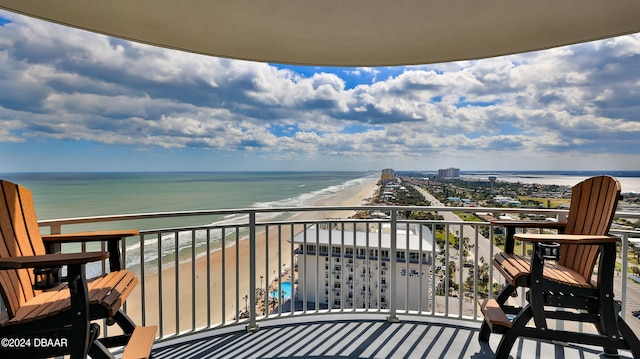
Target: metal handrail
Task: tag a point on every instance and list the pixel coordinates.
(229, 308)
(55, 225)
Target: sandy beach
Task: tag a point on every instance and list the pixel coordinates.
(226, 298)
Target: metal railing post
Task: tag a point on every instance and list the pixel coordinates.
(393, 317)
(176, 266)
(447, 269)
(252, 326)
(491, 245)
(160, 290)
(143, 287)
(625, 268)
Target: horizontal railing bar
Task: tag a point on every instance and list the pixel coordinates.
(320, 221)
(197, 213)
(300, 222)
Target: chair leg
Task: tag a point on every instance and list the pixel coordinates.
(609, 351)
(79, 341)
(505, 293)
(608, 324)
(124, 322)
(629, 337)
(485, 330)
(99, 351)
(510, 336)
(537, 308)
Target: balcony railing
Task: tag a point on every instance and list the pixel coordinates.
(252, 265)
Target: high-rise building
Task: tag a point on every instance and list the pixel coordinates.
(388, 175)
(492, 182)
(353, 269)
(448, 173)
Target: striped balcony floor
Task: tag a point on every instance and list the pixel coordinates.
(358, 336)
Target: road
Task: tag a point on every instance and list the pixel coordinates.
(467, 230)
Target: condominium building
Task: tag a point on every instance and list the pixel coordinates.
(339, 268)
(388, 175)
(448, 173)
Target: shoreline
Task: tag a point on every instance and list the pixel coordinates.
(225, 296)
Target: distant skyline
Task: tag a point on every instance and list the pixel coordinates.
(72, 100)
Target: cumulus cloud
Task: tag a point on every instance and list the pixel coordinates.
(68, 84)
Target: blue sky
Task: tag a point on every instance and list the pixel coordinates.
(77, 101)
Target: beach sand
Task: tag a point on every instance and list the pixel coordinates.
(227, 299)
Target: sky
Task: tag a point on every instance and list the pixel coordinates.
(72, 100)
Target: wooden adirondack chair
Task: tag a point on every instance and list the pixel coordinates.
(57, 321)
(559, 276)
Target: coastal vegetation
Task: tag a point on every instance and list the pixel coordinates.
(468, 217)
(478, 193)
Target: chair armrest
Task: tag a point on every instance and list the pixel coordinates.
(511, 226)
(566, 238)
(90, 236)
(528, 224)
(51, 260)
(112, 238)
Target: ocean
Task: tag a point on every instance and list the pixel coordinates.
(71, 195)
(68, 195)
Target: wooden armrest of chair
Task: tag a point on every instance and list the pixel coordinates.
(511, 226)
(52, 260)
(90, 236)
(528, 224)
(112, 238)
(566, 238)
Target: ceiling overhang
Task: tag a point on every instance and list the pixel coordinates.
(345, 33)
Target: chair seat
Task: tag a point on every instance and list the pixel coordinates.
(108, 291)
(513, 267)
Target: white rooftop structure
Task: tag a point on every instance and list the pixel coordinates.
(363, 239)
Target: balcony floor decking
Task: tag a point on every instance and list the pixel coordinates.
(358, 336)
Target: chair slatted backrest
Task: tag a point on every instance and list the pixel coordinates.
(20, 236)
(593, 206)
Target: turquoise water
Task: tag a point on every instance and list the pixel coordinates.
(286, 291)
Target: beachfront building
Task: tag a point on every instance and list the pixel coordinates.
(346, 269)
(448, 173)
(387, 176)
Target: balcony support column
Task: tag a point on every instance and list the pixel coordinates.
(393, 317)
(252, 326)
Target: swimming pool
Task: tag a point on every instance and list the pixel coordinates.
(286, 291)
